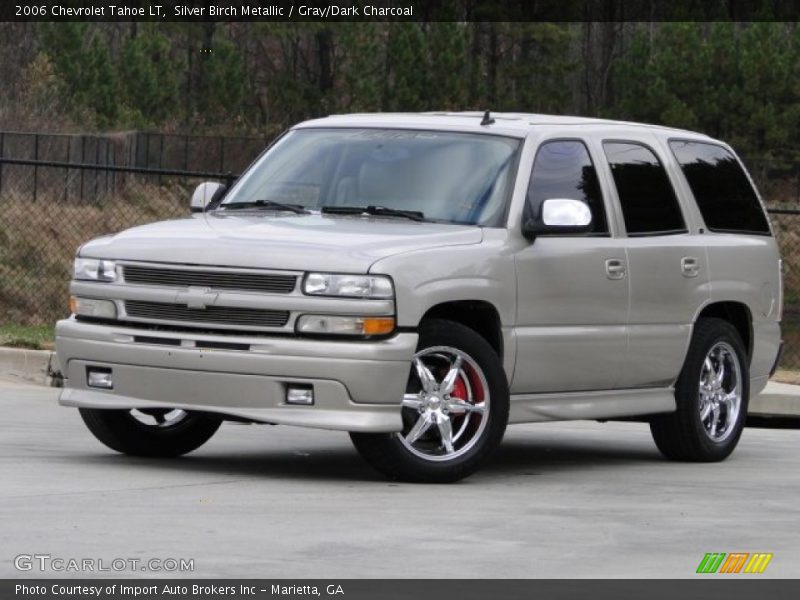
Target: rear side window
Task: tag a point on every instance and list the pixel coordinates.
(563, 169)
(723, 192)
(649, 204)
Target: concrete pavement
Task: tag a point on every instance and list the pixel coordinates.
(559, 500)
(777, 399)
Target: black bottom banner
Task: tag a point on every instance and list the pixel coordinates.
(388, 589)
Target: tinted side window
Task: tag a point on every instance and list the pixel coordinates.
(723, 193)
(563, 169)
(649, 204)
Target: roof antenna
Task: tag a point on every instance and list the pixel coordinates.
(487, 119)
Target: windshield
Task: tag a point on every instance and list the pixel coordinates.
(446, 177)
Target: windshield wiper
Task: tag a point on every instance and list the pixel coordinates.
(298, 209)
(380, 211)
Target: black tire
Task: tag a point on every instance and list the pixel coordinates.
(388, 453)
(682, 435)
(121, 431)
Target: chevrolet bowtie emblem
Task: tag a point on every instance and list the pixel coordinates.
(197, 297)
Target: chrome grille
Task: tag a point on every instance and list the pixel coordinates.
(221, 315)
(251, 282)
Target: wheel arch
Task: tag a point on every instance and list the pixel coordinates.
(479, 315)
(737, 314)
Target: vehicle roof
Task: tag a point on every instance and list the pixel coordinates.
(512, 124)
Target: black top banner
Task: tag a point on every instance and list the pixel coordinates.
(400, 10)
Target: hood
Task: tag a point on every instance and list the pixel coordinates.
(268, 240)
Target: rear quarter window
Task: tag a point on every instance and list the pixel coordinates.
(648, 201)
(722, 190)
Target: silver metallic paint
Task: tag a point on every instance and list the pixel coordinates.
(576, 343)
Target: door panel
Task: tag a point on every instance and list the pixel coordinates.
(667, 263)
(571, 315)
(669, 282)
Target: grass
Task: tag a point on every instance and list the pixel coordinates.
(34, 337)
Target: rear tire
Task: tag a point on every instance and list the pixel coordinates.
(712, 395)
(122, 431)
(455, 409)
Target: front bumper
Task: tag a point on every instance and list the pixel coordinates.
(358, 385)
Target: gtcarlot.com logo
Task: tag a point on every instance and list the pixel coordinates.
(735, 562)
(47, 562)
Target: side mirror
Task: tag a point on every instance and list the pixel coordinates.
(206, 193)
(559, 215)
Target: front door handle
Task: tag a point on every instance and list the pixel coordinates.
(615, 268)
(689, 266)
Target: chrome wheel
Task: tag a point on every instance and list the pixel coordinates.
(720, 391)
(446, 407)
(158, 417)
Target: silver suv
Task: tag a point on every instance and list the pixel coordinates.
(422, 280)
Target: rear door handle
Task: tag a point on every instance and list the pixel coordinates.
(615, 268)
(689, 266)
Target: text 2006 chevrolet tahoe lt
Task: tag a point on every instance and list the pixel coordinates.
(422, 280)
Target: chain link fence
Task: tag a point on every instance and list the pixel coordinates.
(49, 207)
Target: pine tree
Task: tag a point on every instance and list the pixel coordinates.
(149, 77)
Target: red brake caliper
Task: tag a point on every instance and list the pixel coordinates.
(460, 392)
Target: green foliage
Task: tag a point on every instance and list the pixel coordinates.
(537, 62)
(291, 89)
(734, 81)
(100, 84)
(447, 43)
(361, 57)
(226, 82)
(149, 77)
(737, 81)
(83, 62)
(406, 75)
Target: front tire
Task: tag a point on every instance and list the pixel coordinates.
(158, 433)
(455, 409)
(712, 395)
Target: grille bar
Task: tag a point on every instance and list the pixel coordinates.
(223, 315)
(251, 282)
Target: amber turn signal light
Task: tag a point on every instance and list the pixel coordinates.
(378, 325)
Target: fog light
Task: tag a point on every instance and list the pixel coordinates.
(300, 395)
(99, 378)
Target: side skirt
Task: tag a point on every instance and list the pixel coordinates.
(606, 404)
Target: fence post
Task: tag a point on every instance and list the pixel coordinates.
(106, 182)
(114, 173)
(147, 153)
(2, 144)
(185, 157)
(66, 171)
(96, 162)
(83, 160)
(35, 167)
(133, 157)
(161, 157)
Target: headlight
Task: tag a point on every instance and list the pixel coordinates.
(92, 269)
(353, 286)
(92, 307)
(343, 325)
